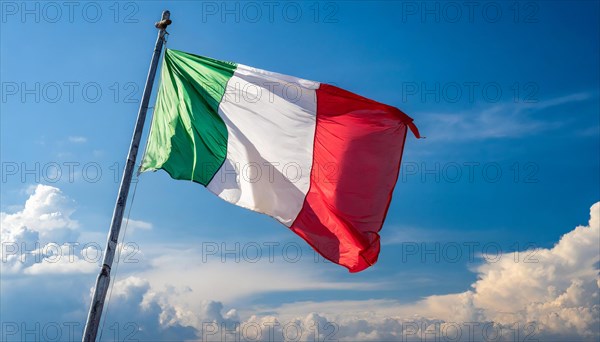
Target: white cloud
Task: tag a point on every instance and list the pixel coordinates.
(77, 139)
(136, 312)
(178, 297)
(556, 291)
(502, 120)
(59, 259)
(557, 288)
(553, 294)
(47, 212)
(228, 281)
(43, 238)
(135, 225)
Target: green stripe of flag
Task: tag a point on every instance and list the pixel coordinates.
(186, 119)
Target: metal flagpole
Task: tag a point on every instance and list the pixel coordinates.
(103, 280)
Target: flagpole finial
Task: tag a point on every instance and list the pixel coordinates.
(165, 21)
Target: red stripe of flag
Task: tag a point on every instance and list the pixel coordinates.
(356, 159)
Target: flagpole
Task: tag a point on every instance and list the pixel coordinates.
(103, 280)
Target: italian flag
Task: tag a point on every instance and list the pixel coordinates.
(319, 159)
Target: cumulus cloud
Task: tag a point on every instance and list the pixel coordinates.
(558, 287)
(154, 316)
(47, 212)
(53, 258)
(43, 237)
(553, 294)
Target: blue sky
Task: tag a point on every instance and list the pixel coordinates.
(506, 93)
